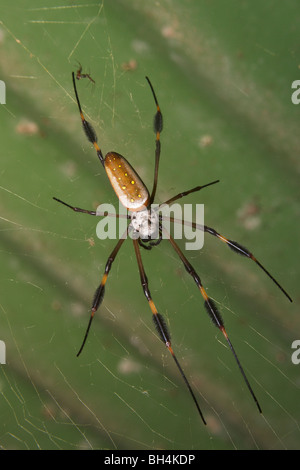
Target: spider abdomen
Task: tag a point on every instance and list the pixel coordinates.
(127, 184)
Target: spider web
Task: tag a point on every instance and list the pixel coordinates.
(124, 391)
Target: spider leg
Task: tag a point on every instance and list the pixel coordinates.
(213, 312)
(99, 294)
(234, 246)
(76, 209)
(87, 127)
(158, 127)
(185, 193)
(160, 323)
(97, 213)
(237, 248)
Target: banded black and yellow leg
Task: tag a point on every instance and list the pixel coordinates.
(87, 127)
(241, 250)
(160, 324)
(234, 246)
(213, 312)
(158, 127)
(99, 294)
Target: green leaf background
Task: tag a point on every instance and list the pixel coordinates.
(223, 73)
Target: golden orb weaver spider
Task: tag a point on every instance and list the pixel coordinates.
(136, 199)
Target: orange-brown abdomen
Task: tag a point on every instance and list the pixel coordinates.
(127, 184)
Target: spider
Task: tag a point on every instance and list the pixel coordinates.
(135, 197)
(80, 75)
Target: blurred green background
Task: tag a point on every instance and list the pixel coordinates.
(223, 73)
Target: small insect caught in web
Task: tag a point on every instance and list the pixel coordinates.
(80, 75)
